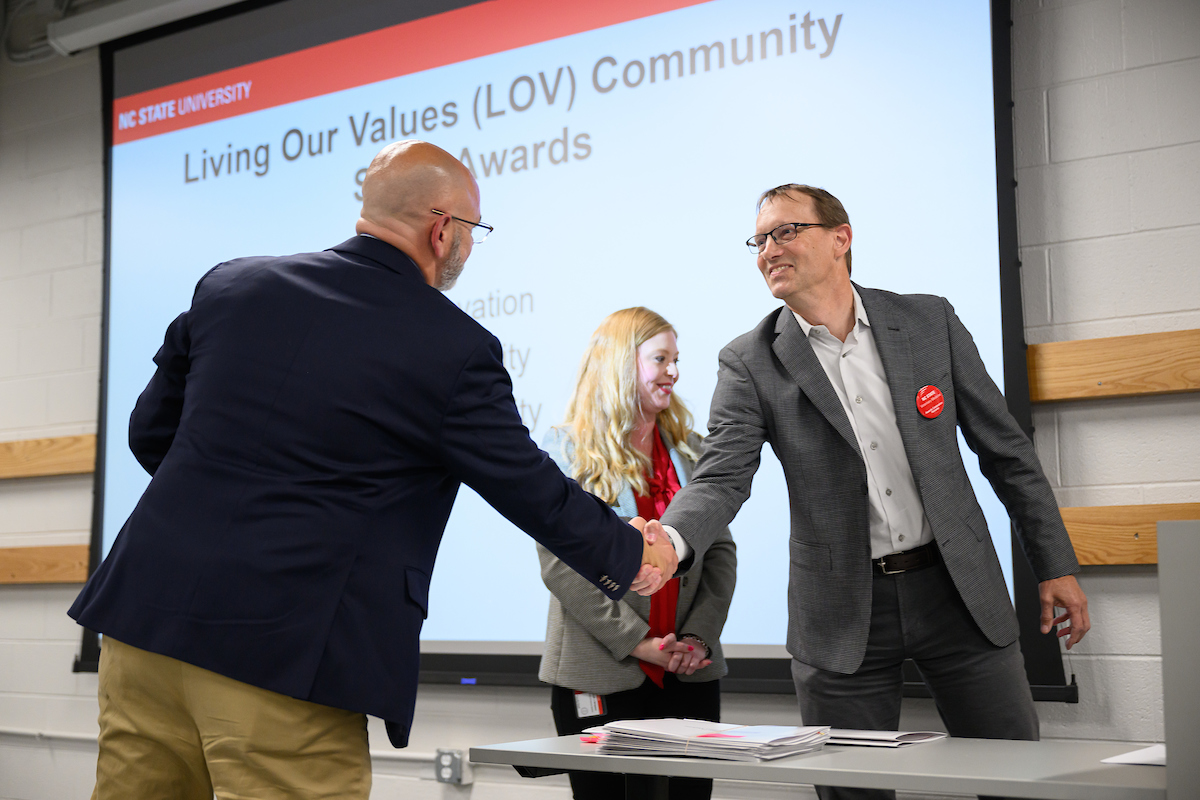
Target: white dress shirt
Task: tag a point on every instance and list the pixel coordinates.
(897, 517)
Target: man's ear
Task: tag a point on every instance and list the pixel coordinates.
(440, 237)
(842, 236)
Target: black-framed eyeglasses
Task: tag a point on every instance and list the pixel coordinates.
(479, 230)
(782, 235)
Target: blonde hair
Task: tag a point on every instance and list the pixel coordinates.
(604, 408)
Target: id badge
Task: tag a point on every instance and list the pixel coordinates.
(588, 705)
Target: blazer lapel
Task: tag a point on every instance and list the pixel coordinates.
(683, 467)
(627, 503)
(798, 358)
(891, 340)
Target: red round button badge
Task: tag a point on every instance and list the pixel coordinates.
(930, 401)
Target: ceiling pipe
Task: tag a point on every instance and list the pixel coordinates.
(117, 20)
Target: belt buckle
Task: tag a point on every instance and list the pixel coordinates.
(883, 567)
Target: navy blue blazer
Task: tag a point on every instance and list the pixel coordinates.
(307, 429)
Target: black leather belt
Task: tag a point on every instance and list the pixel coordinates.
(917, 558)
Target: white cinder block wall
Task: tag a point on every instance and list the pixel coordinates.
(1108, 157)
(51, 179)
(1108, 169)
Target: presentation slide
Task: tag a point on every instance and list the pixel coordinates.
(620, 148)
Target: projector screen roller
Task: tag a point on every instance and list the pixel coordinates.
(619, 149)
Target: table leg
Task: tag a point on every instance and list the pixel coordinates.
(646, 787)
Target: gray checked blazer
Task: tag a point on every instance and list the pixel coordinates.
(772, 388)
(589, 637)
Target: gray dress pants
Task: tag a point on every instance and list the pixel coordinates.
(980, 690)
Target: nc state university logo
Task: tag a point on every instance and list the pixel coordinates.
(930, 401)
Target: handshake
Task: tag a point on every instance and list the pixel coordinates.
(659, 559)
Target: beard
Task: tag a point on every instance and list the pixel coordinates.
(452, 267)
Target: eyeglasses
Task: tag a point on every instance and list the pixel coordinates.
(479, 230)
(782, 235)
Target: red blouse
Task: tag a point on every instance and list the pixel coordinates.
(663, 483)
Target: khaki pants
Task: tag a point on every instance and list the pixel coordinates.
(170, 729)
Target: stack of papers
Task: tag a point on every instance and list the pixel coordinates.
(847, 736)
(702, 739)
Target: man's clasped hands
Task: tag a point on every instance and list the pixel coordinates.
(659, 560)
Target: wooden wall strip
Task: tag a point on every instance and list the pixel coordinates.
(59, 564)
(1121, 534)
(31, 458)
(1121, 366)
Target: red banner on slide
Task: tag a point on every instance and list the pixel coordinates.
(448, 38)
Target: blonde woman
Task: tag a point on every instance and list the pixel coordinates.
(628, 439)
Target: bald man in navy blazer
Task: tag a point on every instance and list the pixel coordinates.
(307, 430)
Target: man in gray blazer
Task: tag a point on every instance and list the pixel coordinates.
(860, 392)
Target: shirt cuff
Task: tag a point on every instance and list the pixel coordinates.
(682, 548)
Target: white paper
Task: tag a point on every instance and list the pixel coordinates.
(703, 739)
(1155, 756)
(850, 736)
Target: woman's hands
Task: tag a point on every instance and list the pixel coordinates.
(680, 656)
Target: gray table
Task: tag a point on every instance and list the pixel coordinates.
(1054, 770)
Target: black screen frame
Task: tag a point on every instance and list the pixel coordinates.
(1043, 657)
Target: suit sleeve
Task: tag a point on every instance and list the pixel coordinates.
(484, 444)
(611, 622)
(1007, 458)
(156, 415)
(720, 485)
(718, 576)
